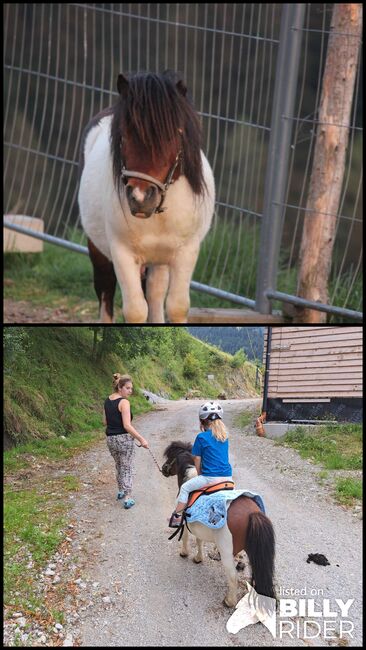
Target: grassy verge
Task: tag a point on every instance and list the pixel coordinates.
(243, 420)
(35, 512)
(348, 490)
(61, 278)
(336, 448)
(57, 449)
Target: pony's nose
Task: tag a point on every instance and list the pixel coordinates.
(139, 196)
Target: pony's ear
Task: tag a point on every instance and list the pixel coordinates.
(122, 85)
(181, 87)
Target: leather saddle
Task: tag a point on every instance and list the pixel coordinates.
(211, 488)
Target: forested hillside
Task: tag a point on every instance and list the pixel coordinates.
(56, 378)
(232, 339)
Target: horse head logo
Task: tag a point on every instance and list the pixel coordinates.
(252, 608)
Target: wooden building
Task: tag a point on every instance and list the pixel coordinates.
(313, 373)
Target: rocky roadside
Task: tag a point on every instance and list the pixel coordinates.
(58, 585)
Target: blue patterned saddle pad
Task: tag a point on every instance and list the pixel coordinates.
(211, 509)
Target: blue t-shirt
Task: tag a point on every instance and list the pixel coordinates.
(214, 454)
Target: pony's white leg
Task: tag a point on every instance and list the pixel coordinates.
(127, 270)
(156, 288)
(199, 555)
(181, 269)
(224, 542)
(184, 552)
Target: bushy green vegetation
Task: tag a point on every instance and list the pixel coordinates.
(52, 386)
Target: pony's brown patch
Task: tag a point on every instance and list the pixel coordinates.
(237, 521)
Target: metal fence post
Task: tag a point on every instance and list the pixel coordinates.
(278, 151)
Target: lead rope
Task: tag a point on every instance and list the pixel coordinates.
(153, 457)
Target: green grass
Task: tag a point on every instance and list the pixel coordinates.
(35, 513)
(334, 447)
(243, 420)
(33, 522)
(58, 277)
(54, 449)
(55, 271)
(348, 490)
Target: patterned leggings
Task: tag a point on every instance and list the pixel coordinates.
(122, 448)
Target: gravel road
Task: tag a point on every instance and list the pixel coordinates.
(136, 590)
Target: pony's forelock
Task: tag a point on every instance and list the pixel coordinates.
(177, 447)
(157, 115)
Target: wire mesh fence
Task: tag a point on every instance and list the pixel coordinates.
(61, 65)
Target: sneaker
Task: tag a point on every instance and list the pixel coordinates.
(128, 504)
(175, 520)
(120, 495)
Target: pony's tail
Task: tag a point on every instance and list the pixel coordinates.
(260, 548)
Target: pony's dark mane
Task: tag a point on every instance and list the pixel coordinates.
(176, 448)
(153, 111)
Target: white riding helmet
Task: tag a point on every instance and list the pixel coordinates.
(211, 411)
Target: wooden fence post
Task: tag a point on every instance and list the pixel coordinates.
(329, 158)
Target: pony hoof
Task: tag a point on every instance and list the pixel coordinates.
(229, 604)
(214, 555)
(197, 560)
(183, 554)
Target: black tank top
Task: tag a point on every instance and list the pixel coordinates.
(114, 417)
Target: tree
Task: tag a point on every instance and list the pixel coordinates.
(329, 158)
(96, 331)
(105, 340)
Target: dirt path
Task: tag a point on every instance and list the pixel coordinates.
(135, 589)
(23, 311)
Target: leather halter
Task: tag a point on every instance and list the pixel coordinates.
(163, 187)
(167, 467)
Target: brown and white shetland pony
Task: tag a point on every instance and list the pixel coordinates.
(146, 198)
(247, 529)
